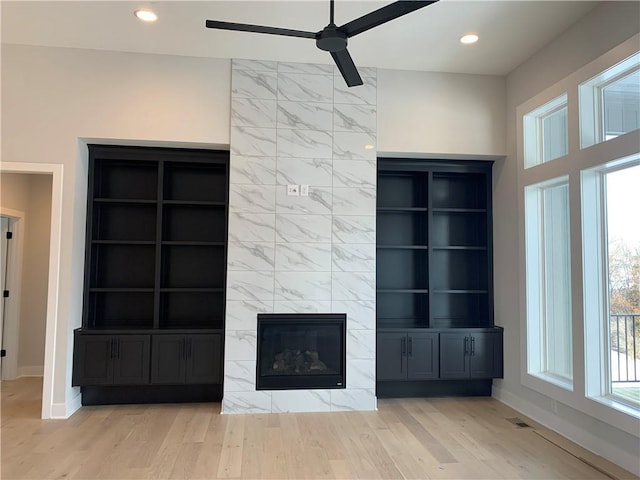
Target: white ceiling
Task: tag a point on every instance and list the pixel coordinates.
(510, 31)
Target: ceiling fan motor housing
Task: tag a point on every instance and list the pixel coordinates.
(330, 39)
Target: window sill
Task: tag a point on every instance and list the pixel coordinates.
(613, 403)
(554, 380)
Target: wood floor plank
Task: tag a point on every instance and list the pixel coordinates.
(230, 465)
(439, 438)
(431, 443)
(409, 465)
(252, 452)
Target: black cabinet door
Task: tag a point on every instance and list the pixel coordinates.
(468, 355)
(111, 360)
(204, 358)
(422, 356)
(391, 356)
(168, 359)
(481, 355)
(454, 358)
(131, 359)
(92, 360)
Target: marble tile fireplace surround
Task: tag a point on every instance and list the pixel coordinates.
(300, 124)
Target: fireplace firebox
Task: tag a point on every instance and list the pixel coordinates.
(301, 351)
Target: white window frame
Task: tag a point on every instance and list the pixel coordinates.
(537, 321)
(592, 101)
(596, 292)
(534, 131)
(576, 161)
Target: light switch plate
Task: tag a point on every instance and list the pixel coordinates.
(293, 190)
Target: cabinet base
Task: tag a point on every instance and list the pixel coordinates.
(121, 394)
(434, 388)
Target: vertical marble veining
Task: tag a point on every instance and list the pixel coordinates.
(299, 124)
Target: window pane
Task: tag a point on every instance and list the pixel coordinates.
(554, 135)
(545, 132)
(609, 103)
(557, 281)
(621, 105)
(623, 241)
(548, 274)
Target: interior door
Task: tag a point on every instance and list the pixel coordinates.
(4, 260)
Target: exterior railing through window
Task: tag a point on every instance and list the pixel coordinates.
(624, 331)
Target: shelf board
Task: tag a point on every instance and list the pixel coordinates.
(392, 323)
(145, 329)
(403, 247)
(124, 200)
(460, 291)
(123, 242)
(168, 329)
(459, 210)
(402, 209)
(459, 247)
(193, 244)
(118, 290)
(400, 319)
(190, 290)
(402, 290)
(190, 203)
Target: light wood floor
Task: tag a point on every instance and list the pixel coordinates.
(448, 438)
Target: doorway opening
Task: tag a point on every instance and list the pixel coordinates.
(31, 201)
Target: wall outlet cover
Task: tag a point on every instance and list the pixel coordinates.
(304, 190)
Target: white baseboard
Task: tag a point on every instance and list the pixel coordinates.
(59, 411)
(576, 434)
(62, 411)
(31, 371)
(74, 404)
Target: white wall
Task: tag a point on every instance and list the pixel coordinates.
(608, 25)
(440, 113)
(14, 191)
(31, 194)
(54, 100)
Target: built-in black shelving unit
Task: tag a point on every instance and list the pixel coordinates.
(434, 270)
(155, 264)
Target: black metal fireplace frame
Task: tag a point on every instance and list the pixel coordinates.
(299, 382)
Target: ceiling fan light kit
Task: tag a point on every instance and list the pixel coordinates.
(334, 39)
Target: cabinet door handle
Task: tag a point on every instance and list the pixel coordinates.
(410, 346)
(473, 346)
(466, 345)
(403, 346)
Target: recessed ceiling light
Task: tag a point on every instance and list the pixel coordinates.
(469, 39)
(368, 146)
(146, 15)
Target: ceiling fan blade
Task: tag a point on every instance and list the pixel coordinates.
(243, 27)
(382, 15)
(347, 68)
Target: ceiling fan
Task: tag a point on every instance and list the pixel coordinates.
(332, 38)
